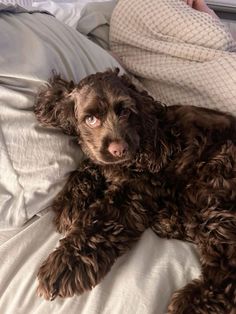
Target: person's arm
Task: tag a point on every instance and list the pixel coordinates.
(201, 5)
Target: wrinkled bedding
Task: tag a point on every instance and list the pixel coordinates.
(34, 161)
(67, 11)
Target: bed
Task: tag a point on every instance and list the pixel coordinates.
(35, 162)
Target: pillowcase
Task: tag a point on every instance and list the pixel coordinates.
(35, 161)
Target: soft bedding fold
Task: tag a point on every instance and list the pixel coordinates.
(34, 161)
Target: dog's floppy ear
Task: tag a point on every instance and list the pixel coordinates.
(54, 105)
(146, 104)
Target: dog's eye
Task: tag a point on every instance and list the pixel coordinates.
(124, 113)
(92, 121)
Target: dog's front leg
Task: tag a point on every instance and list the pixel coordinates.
(83, 187)
(101, 234)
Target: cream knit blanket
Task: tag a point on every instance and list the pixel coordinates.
(181, 56)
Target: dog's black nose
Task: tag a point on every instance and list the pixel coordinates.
(118, 148)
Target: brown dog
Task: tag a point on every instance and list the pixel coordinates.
(169, 168)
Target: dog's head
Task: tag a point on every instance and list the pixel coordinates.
(105, 111)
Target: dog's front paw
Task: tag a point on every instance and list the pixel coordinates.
(72, 270)
(179, 305)
(56, 276)
(199, 298)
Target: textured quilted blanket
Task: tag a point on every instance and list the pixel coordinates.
(182, 56)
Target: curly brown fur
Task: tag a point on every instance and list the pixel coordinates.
(169, 168)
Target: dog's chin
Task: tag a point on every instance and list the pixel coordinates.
(117, 162)
(104, 161)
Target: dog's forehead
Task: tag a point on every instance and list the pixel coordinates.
(84, 94)
(95, 95)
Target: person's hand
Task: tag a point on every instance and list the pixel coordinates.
(200, 5)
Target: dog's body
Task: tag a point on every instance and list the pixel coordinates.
(169, 168)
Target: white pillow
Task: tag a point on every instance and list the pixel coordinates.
(35, 161)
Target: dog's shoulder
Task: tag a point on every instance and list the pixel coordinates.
(189, 117)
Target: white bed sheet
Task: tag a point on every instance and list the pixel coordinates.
(140, 282)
